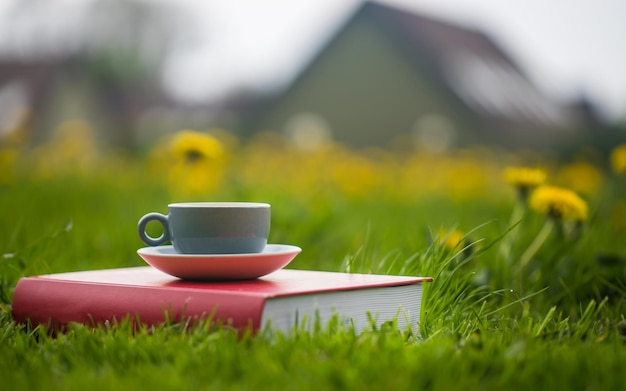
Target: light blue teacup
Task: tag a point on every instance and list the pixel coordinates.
(211, 227)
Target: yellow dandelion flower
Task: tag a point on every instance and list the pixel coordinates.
(558, 202)
(524, 177)
(198, 161)
(450, 239)
(190, 146)
(618, 159)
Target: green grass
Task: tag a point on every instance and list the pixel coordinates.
(558, 324)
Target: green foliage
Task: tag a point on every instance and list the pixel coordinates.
(556, 322)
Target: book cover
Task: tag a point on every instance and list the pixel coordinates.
(282, 299)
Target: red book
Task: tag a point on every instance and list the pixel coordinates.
(281, 299)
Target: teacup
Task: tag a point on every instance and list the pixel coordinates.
(211, 227)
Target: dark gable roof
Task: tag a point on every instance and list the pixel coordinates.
(472, 65)
(465, 62)
(424, 39)
(434, 36)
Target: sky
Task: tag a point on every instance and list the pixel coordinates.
(568, 48)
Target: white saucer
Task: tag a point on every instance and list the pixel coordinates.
(219, 266)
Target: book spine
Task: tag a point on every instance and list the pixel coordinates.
(57, 303)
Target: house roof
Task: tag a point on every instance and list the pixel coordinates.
(26, 81)
(36, 84)
(467, 61)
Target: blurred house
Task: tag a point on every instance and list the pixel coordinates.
(95, 61)
(38, 95)
(390, 76)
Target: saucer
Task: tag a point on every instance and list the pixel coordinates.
(219, 266)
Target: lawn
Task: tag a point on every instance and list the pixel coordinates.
(529, 263)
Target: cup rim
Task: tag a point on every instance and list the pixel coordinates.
(229, 204)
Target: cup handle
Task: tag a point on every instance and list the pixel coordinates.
(149, 240)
